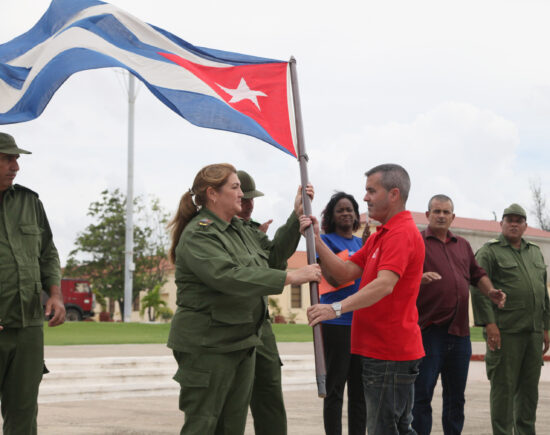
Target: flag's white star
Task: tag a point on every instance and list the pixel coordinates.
(243, 92)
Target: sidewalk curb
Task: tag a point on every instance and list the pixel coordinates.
(481, 357)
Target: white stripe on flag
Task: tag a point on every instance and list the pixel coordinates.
(143, 31)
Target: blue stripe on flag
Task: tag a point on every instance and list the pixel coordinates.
(14, 76)
(206, 111)
(213, 54)
(107, 27)
(201, 110)
(59, 12)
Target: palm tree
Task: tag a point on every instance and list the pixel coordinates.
(153, 302)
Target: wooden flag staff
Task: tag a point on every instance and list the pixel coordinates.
(320, 367)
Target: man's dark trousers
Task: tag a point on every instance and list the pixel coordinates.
(449, 355)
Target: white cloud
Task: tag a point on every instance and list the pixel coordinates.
(454, 148)
(457, 93)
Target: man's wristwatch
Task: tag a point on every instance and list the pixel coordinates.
(337, 307)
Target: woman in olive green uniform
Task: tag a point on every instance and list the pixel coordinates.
(222, 276)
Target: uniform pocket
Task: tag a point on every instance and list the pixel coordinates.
(509, 271)
(192, 385)
(244, 260)
(30, 229)
(511, 315)
(192, 378)
(511, 306)
(31, 240)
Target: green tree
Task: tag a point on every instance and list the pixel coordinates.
(153, 303)
(99, 251)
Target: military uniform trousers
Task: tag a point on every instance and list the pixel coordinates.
(267, 404)
(514, 372)
(21, 369)
(215, 391)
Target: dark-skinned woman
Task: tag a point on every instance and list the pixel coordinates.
(339, 220)
(222, 278)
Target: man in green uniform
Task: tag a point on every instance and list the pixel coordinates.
(267, 404)
(28, 264)
(517, 335)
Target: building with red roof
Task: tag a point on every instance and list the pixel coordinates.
(295, 299)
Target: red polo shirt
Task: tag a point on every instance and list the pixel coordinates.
(388, 330)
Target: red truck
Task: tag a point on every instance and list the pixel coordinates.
(78, 297)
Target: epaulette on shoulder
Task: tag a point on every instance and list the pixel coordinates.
(532, 244)
(254, 223)
(493, 241)
(205, 223)
(24, 189)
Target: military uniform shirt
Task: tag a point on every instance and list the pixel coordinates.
(28, 258)
(284, 243)
(521, 274)
(223, 275)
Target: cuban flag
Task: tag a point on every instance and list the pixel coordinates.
(210, 88)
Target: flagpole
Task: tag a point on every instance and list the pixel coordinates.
(129, 242)
(319, 351)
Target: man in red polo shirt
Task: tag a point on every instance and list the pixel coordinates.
(385, 330)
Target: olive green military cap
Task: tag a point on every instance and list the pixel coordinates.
(515, 209)
(248, 186)
(8, 145)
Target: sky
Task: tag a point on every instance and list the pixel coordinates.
(456, 92)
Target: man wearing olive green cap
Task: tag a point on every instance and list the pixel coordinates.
(266, 403)
(248, 186)
(517, 335)
(28, 264)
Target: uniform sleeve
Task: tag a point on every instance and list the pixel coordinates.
(205, 255)
(546, 315)
(284, 243)
(50, 271)
(482, 307)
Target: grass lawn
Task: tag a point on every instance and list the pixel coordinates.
(106, 333)
(476, 334)
(139, 333)
(288, 332)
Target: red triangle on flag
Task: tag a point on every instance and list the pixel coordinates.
(258, 91)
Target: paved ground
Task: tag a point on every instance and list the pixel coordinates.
(152, 415)
(159, 415)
